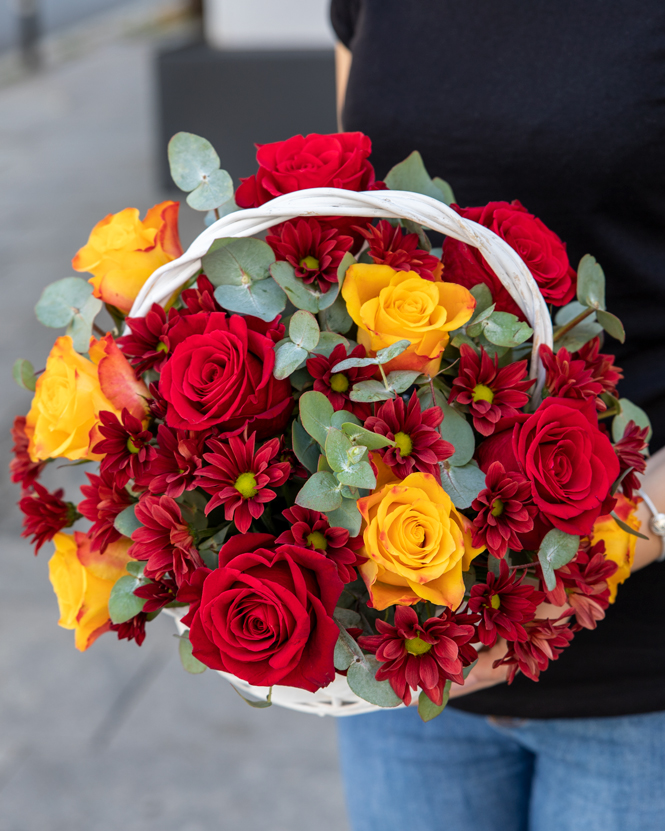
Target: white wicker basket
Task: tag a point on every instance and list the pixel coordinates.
(338, 699)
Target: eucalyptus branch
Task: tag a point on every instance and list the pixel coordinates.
(573, 323)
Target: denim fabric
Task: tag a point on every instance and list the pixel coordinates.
(473, 773)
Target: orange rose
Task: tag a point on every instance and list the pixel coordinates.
(123, 251)
(389, 306)
(619, 544)
(417, 543)
(70, 394)
(82, 580)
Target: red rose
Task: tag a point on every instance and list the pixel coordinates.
(499, 446)
(339, 160)
(220, 373)
(266, 614)
(570, 463)
(541, 249)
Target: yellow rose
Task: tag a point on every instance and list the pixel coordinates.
(619, 544)
(70, 394)
(123, 251)
(417, 543)
(389, 306)
(82, 580)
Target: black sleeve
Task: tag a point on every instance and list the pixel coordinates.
(344, 17)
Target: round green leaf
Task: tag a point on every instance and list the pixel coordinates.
(590, 283)
(264, 299)
(126, 522)
(556, 550)
(383, 356)
(321, 492)
(238, 262)
(347, 516)
(362, 680)
(370, 391)
(187, 659)
(23, 373)
(287, 359)
(61, 300)
(123, 603)
(412, 175)
(315, 413)
(462, 484)
(215, 189)
(629, 412)
(304, 330)
(191, 158)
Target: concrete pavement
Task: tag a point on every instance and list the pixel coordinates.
(120, 737)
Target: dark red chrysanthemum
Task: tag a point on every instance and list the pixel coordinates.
(313, 250)
(104, 500)
(132, 629)
(125, 447)
(287, 455)
(506, 604)
(147, 346)
(545, 642)
(311, 529)
(23, 470)
(489, 392)
(392, 247)
(157, 403)
(582, 584)
(201, 298)
(164, 540)
(238, 478)
(157, 593)
(631, 458)
(422, 655)
(336, 386)
(601, 365)
(506, 510)
(418, 444)
(568, 377)
(45, 514)
(176, 463)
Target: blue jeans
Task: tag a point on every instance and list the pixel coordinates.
(471, 773)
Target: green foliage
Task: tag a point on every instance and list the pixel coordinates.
(454, 428)
(580, 334)
(23, 373)
(346, 649)
(462, 484)
(126, 522)
(123, 603)
(69, 302)
(328, 341)
(483, 298)
(264, 299)
(305, 447)
(346, 516)
(362, 680)
(359, 435)
(195, 167)
(305, 297)
(556, 550)
(625, 527)
(412, 175)
(427, 709)
(304, 330)
(257, 704)
(316, 414)
(321, 492)
(590, 283)
(500, 328)
(347, 618)
(187, 659)
(335, 317)
(629, 412)
(612, 325)
(288, 358)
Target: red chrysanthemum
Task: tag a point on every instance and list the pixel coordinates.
(418, 444)
(391, 246)
(164, 540)
(157, 593)
(287, 455)
(22, 469)
(336, 386)
(45, 514)
(506, 604)
(311, 529)
(582, 584)
(157, 403)
(132, 629)
(238, 478)
(601, 365)
(506, 510)
(176, 463)
(422, 655)
(314, 251)
(631, 458)
(489, 392)
(125, 447)
(568, 377)
(104, 500)
(545, 642)
(147, 346)
(201, 298)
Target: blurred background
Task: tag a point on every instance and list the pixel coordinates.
(90, 92)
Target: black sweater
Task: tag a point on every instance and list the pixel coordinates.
(562, 106)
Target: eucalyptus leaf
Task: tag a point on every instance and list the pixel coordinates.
(362, 680)
(123, 603)
(316, 413)
(354, 363)
(412, 227)
(60, 301)
(304, 330)
(302, 296)
(556, 550)
(263, 299)
(126, 522)
(625, 527)
(257, 704)
(347, 618)
(191, 157)
(288, 357)
(454, 428)
(327, 342)
(305, 447)
(335, 318)
(590, 283)
(629, 412)
(345, 264)
(187, 659)
(505, 329)
(23, 373)
(359, 435)
(611, 324)
(135, 567)
(347, 516)
(400, 380)
(446, 190)
(321, 492)
(462, 484)
(215, 189)
(580, 334)
(389, 353)
(427, 709)
(238, 262)
(80, 326)
(370, 391)
(360, 475)
(412, 175)
(474, 328)
(341, 417)
(337, 449)
(346, 649)
(483, 297)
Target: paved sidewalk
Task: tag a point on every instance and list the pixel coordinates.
(121, 737)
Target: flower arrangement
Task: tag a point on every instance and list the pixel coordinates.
(329, 451)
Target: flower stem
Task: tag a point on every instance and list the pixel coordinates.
(573, 323)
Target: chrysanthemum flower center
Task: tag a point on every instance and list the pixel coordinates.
(404, 443)
(309, 262)
(495, 601)
(417, 646)
(482, 393)
(131, 446)
(162, 347)
(245, 484)
(339, 382)
(497, 508)
(317, 540)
